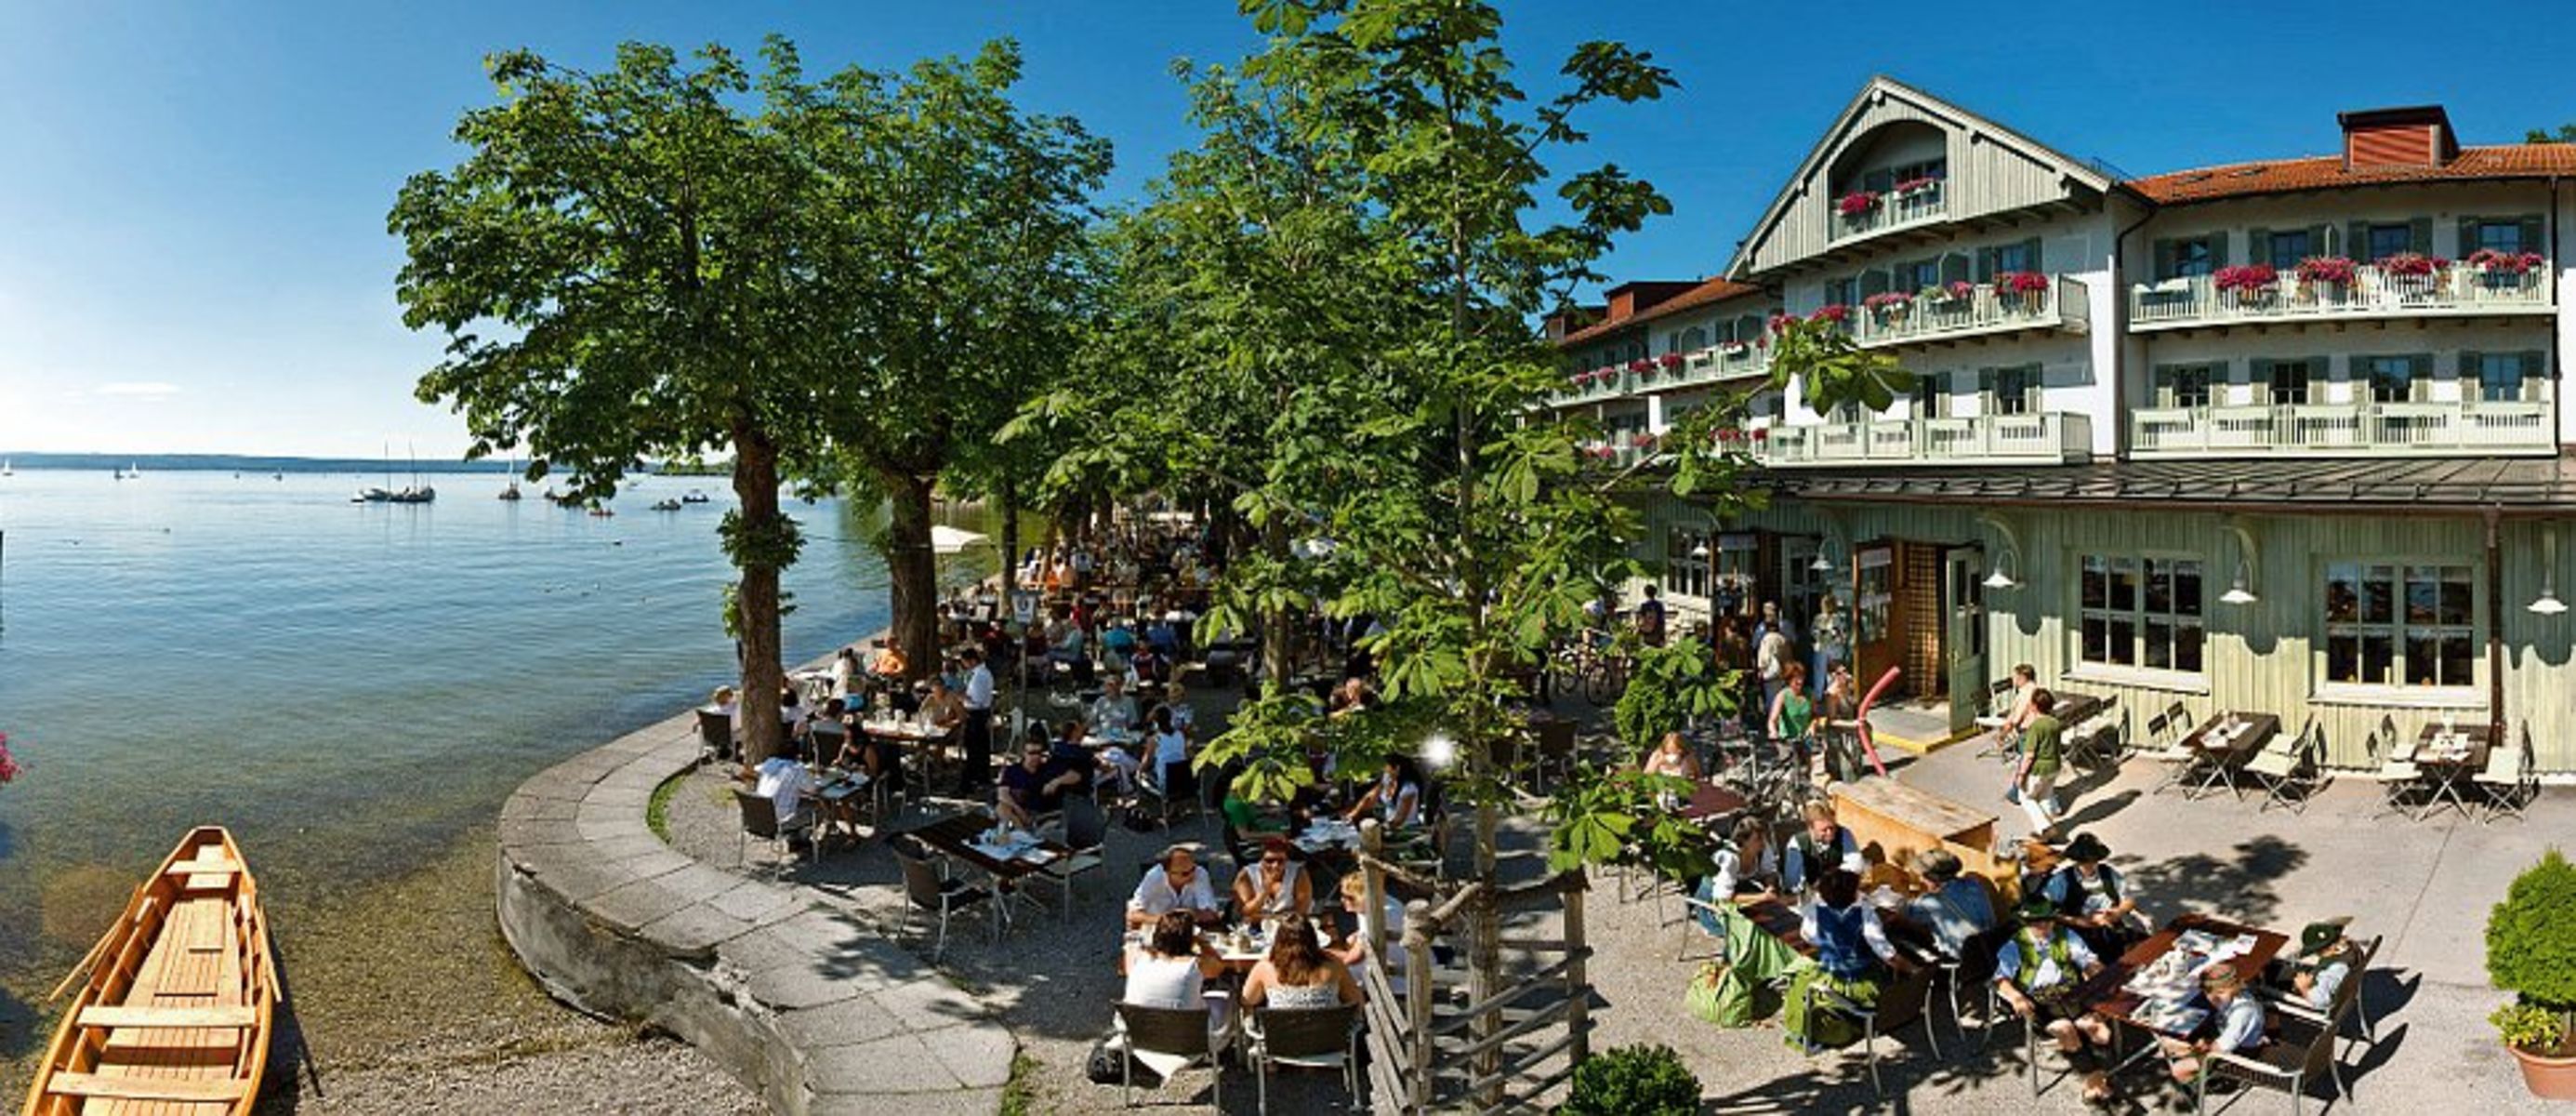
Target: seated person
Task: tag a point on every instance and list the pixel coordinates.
(1397, 796)
(1170, 749)
(889, 662)
(1298, 975)
(1853, 959)
(2324, 962)
(1745, 865)
(2235, 1025)
(1149, 665)
(1065, 641)
(1117, 645)
(1164, 636)
(2036, 974)
(1352, 697)
(1113, 712)
(1171, 968)
(1176, 883)
(1033, 788)
(1275, 887)
(833, 712)
(1068, 751)
(1244, 815)
(2091, 896)
(1823, 844)
(1185, 716)
(1955, 908)
(783, 780)
(943, 706)
(1672, 756)
(1390, 915)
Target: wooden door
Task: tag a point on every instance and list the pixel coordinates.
(1878, 636)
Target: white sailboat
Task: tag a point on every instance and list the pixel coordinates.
(511, 491)
(8, 468)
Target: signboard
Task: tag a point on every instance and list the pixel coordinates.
(1024, 606)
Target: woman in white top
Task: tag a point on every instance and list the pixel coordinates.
(1276, 886)
(1170, 968)
(1168, 744)
(845, 672)
(1397, 796)
(1298, 975)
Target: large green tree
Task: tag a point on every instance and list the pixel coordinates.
(955, 275)
(618, 267)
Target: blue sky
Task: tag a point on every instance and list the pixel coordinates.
(192, 194)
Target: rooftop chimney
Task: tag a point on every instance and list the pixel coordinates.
(2398, 137)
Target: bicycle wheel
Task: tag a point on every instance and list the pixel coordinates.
(1602, 683)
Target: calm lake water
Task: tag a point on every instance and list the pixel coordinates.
(347, 686)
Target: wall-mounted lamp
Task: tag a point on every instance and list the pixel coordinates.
(2241, 592)
(1700, 549)
(2548, 604)
(1822, 563)
(2000, 579)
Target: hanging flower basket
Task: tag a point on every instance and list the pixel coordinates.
(1857, 205)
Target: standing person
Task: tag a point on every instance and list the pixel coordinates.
(845, 672)
(1793, 713)
(1772, 658)
(1650, 618)
(977, 772)
(1832, 638)
(2035, 784)
(2025, 683)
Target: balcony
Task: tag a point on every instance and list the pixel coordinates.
(2374, 292)
(1715, 364)
(2402, 429)
(2036, 439)
(1892, 210)
(1979, 310)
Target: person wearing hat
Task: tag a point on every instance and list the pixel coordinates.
(1954, 906)
(2036, 974)
(2091, 895)
(2324, 962)
(2236, 1024)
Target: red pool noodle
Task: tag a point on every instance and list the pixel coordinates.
(1868, 746)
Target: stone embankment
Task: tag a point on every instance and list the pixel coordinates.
(814, 1009)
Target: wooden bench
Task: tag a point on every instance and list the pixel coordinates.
(194, 1090)
(170, 1018)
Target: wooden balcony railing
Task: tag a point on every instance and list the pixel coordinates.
(1892, 211)
(2373, 292)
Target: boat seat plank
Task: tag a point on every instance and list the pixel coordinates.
(203, 868)
(218, 1016)
(193, 1090)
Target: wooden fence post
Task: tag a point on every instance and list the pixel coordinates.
(1417, 1000)
(1373, 900)
(1578, 988)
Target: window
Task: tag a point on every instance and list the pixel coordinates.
(1685, 563)
(1691, 340)
(2141, 612)
(2391, 624)
(2184, 385)
(2196, 255)
(1914, 277)
(2499, 377)
(2287, 380)
(2290, 246)
(1928, 168)
(2392, 378)
(2501, 234)
(1842, 292)
(1932, 395)
(2009, 391)
(2498, 236)
(2000, 258)
(2383, 241)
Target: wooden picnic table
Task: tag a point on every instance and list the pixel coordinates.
(2108, 993)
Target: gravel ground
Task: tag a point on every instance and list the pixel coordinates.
(404, 1000)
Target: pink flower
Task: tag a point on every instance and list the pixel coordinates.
(1780, 322)
(2326, 269)
(1836, 313)
(2246, 278)
(2020, 282)
(1641, 365)
(1642, 441)
(1857, 204)
(1916, 185)
(2406, 263)
(1888, 300)
(1669, 360)
(2504, 263)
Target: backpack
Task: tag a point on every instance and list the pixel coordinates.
(1109, 1063)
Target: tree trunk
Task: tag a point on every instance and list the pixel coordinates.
(1007, 494)
(755, 486)
(1278, 627)
(913, 573)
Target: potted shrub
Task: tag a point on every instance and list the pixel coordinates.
(1857, 205)
(1644, 1080)
(2531, 952)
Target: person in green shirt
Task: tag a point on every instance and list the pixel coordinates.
(2041, 759)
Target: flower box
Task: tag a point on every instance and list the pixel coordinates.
(1857, 205)
(1958, 290)
(2021, 283)
(2494, 262)
(2246, 279)
(1669, 361)
(1921, 185)
(1836, 314)
(1641, 364)
(1733, 348)
(2327, 269)
(1642, 441)
(2408, 264)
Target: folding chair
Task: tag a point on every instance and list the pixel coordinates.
(2348, 997)
(760, 819)
(2509, 780)
(1317, 1038)
(2392, 769)
(2084, 741)
(2165, 746)
(926, 893)
(1901, 1002)
(1086, 831)
(2301, 1051)
(2284, 765)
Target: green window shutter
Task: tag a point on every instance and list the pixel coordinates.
(2419, 235)
(2532, 232)
(2030, 252)
(1985, 265)
(2258, 372)
(1873, 281)
(2468, 238)
(2535, 368)
(2356, 241)
(1955, 268)
(2469, 383)
(2164, 258)
(1986, 388)
(2258, 246)
(2419, 376)
(2316, 244)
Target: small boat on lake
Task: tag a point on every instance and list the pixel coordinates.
(695, 497)
(666, 505)
(371, 495)
(173, 1015)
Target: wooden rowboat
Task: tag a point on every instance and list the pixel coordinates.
(173, 1019)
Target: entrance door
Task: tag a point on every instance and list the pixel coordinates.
(1963, 637)
(1877, 636)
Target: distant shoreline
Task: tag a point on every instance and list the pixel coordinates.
(243, 463)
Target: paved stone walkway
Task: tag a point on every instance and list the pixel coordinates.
(812, 1007)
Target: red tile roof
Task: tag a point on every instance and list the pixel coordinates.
(2322, 172)
(1714, 290)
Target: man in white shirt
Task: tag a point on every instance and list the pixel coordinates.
(1771, 662)
(783, 780)
(977, 771)
(1178, 883)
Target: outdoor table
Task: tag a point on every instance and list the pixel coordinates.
(1775, 917)
(1912, 810)
(1711, 801)
(911, 732)
(838, 797)
(959, 837)
(2072, 708)
(2450, 757)
(2221, 751)
(2108, 992)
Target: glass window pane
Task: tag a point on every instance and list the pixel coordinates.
(2124, 585)
(2379, 595)
(2097, 639)
(2343, 658)
(2378, 656)
(2186, 653)
(2159, 586)
(2124, 641)
(2186, 591)
(2454, 608)
(2095, 592)
(2422, 658)
(2389, 240)
(2343, 593)
(2159, 649)
(2458, 663)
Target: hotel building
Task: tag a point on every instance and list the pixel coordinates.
(2281, 436)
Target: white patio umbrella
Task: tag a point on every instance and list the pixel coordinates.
(945, 539)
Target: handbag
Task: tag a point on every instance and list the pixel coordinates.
(1706, 997)
(1109, 1062)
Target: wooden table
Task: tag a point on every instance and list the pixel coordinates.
(1774, 916)
(2073, 708)
(2221, 758)
(2107, 991)
(1711, 801)
(954, 837)
(2445, 773)
(1879, 803)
